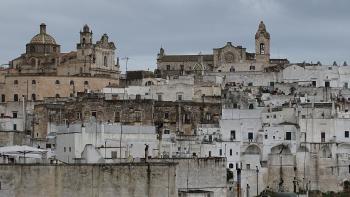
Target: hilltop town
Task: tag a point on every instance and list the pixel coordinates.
(229, 123)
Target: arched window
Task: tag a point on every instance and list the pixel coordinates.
(251, 106)
(33, 82)
(71, 82)
(83, 40)
(15, 97)
(86, 83)
(105, 61)
(262, 48)
(232, 69)
(15, 82)
(230, 165)
(57, 82)
(33, 97)
(148, 83)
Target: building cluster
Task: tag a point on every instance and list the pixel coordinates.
(274, 125)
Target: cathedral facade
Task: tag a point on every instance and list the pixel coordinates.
(44, 71)
(228, 58)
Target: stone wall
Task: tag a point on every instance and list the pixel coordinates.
(201, 174)
(124, 180)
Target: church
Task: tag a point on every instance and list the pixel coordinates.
(228, 58)
(44, 71)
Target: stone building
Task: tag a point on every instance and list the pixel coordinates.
(228, 58)
(44, 71)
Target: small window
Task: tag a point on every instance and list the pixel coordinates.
(116, 116)
(250, 84)
(266, 136)
(167, 67)
(160, 98)
(105, 63)
(15, 127)
(230, 152)
(166, 115)
(248, 166)
(33, 82)
(86, 83)
(232, 69)
(220, 152)
(14, 114)
(71, 82)
(323, 137)
(252, 68)
(15, 82)
(166, 131)
(15, 97)
(78, 114)
(94, 114)
(179, 97)
(233, 135)
(33, 97)
(262, 48)
(250, 136)
(230, 165)
(70, 149)
(251, 106)
(57, 96)
(288, 135)
(64, 149)
(138, 116)
(57, 82)
(3, 98)
(346, 134)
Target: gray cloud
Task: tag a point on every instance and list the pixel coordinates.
(301, 30)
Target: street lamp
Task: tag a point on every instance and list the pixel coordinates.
(257, 181)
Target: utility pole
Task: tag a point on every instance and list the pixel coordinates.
(257, 181)
(121, 122)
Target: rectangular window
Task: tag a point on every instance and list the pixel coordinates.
(78, 115)
(14, 114)
(15, 127)
(272, 84)
(327, 84)
(116, 116)
(209, 153)
(220, 152)
(3, 98)
(233, 135)
(166, 115)
(94, 114)
(166, 131)
(168, 67)
(250, 136)
(288, 135)
(266, 136)
(230, 152)
(138, 97)
(138, 116)
(323, 137)
(314, 83)
(160, 98)
(179, 97)
(346, 134)
(250, 84)
(248, 166)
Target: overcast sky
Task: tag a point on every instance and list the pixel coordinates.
(301, 30)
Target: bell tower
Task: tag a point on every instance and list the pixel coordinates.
(84, 47)
(262, 44)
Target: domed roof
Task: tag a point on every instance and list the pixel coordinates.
(42, 37)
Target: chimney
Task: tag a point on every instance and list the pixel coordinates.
(43, 28)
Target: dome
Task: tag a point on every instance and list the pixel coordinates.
(43, 37)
